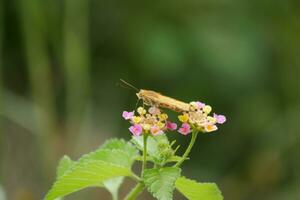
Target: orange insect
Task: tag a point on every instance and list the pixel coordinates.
(153, 98)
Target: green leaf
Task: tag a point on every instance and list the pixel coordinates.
(112, 185)
(193, 190)
(64, 164)
(114, 151)
(98, 168)
(161, 182)
(85, 174)
(121, 145)
(114, 156)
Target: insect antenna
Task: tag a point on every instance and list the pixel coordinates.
(127, 85)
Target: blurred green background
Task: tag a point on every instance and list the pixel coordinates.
(60, 61)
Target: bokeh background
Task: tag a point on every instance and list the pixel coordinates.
(60, 62)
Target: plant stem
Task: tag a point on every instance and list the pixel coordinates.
(135, 177)
(145, 137)
(135, 191)
(187, 151)
(114, 196)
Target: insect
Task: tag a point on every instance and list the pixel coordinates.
(153, 98)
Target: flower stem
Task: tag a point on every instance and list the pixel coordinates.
(135, 177)
(135, 191)
(145, 137)
(115, 196)
(140, 186)
(187, 151)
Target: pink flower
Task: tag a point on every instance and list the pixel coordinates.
(136, 129)
(185, 129)
(171, 126)
(155, 130)
(200, 104)
(127, 115)
(220, 118)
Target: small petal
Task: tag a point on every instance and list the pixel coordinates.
(127, 115)
(141, 110)
(210, 128)
(185, 129)
(200, 104)
(154, 110)
(136, 119)
(207, 109)
(221, 119)
(183, 118)
(160, 124)
(171, 126)
(163, 116)
(155, 130)
(212, 120)
(146, 127)
(136, 129)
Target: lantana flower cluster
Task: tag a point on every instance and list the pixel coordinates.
(156, 122)
(198, 118)
(152, 121)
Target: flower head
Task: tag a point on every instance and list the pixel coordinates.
(153, 121)
(198, 118)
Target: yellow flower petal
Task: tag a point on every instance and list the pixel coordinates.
(183, 118)
(141, 110)
(160, 125)
(163, 116)
(146, 127)
(211, 119)
(136, 119)
(207, 109)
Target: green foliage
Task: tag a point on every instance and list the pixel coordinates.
(160, 182)
(193, 190)
(120, 144)
(64, 164)
(85, 174)
(159, 149)
(110, 163)
(113, 159)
